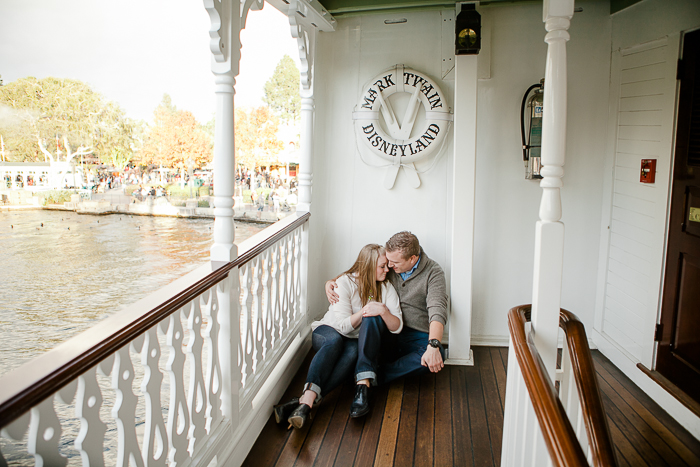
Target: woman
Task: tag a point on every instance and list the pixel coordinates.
(363, 291)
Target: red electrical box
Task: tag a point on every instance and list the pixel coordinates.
(648, 173)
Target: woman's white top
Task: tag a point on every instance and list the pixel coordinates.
(349, 303)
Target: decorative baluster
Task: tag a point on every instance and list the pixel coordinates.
(297, 274)
(178, 415)
(124, 410)
(304, 272)
(246, 323)
(290, 279)
(44, 434)
(282, 285)
(268, 323)
(45, 429)
(196, 395)
(258, 333)
(90, 440)
(289, 240)
(154, 437)
(289, 268)
(213, 374)
(275, 299)
(243, 276)
(15, 431)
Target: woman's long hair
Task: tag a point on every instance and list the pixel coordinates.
(364, 273)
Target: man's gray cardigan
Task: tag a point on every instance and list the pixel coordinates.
(423, 296)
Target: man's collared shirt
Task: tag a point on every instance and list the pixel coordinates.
(406, 275)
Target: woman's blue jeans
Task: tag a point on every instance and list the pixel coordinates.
(334, 362)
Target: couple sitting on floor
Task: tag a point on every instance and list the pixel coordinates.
(386, 319)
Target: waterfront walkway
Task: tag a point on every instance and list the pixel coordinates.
(115, 202)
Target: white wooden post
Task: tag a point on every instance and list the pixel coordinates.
(305, 20)
(225, 47)
(523, 443)
(227, 19)
(305, 173)
(463, 184)
(223, 248)
(549, 236)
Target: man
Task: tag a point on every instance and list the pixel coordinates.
(420, 284)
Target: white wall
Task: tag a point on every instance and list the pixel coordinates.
(351, 208)
(507, 204)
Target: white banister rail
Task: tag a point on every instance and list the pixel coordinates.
(148, 385)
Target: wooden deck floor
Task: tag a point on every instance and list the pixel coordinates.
(455, 418)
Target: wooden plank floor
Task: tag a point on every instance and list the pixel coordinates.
(455, 418)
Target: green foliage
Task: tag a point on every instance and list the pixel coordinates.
(57, 196)
(120, 158)
(282, 90)
(203, 203)
(177, 192)
(55, 117)
(247, 198)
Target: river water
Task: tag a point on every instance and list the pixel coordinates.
(61, 272)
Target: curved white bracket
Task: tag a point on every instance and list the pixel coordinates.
(227, 18)
(306, 42)
(306, 18)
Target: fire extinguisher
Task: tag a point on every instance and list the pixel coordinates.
(531, 117)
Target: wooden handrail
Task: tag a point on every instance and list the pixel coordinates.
(560, 438)
(36, 380)
(590, 398)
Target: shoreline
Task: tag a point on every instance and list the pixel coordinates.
(268, 217)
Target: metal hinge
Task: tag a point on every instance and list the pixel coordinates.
(658, 334)
(679, 69)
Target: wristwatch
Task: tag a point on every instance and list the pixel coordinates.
(434, 343)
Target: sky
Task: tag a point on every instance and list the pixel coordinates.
(134, 51)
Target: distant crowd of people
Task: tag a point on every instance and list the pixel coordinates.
(282, 194)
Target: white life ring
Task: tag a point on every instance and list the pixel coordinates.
(394, 141)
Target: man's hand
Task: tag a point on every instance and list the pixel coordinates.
(374, 309)
(432, 359)
(330, 293)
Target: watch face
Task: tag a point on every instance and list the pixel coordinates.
(434, 343)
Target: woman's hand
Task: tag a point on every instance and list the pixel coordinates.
(330, 293)
(374, 309)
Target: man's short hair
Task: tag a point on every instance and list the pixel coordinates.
(405, 242)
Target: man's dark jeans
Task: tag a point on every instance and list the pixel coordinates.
(383, 356)
(334, 361)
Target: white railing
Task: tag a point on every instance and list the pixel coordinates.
(549, 425)
(172, 380)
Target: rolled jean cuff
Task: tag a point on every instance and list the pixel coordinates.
(313, 387)
(370, 375)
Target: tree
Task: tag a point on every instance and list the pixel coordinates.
(58, 119)
(256, 137)
(176, 139)
(282, 90)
